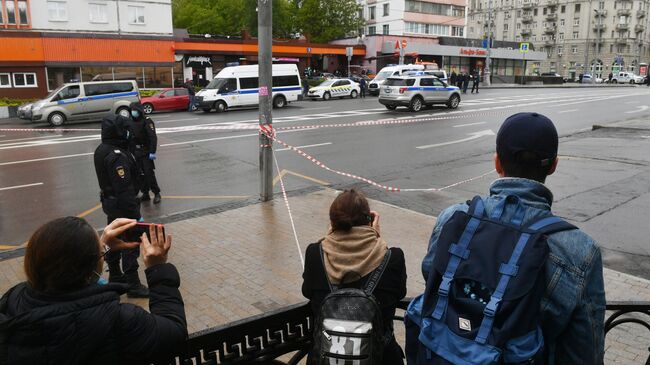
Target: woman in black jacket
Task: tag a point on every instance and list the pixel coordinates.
(352, 250)
(66, 314)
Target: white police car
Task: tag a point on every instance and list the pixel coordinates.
(416, 92)
(336, 88)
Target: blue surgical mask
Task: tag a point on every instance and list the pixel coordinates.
(100, 279)
(135, 113)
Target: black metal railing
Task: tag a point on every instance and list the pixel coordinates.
(286, 333)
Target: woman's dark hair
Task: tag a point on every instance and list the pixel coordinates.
(61, 255)
(349, 209)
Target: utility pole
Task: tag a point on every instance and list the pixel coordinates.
(265, 64)
(584, 67)
(486, 74)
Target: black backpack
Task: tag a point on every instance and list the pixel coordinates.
(349, 329)
(482, 303)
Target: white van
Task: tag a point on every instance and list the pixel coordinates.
(389, 71)
(238, 86)
(85, 101)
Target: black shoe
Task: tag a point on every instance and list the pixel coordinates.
(145, 197)
(157, 198)
(138, 291)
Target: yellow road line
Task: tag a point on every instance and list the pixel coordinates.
(89, 211)
(312, 179)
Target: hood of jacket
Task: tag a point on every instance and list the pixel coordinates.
(65, 327)
(136, 105)
(115, 130)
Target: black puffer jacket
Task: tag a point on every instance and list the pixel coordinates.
(90, 326)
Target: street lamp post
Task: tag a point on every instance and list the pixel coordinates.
(265, 56)
(584, 66)
(486, 74)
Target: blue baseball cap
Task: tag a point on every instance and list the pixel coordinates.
(527, 132)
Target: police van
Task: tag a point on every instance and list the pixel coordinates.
(389, 71)
(238, 86)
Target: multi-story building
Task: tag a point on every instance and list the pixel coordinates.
(595, 37)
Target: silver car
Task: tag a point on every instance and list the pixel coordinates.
(416, 92)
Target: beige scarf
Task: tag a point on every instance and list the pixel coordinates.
(359, 251)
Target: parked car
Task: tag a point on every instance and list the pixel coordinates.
(24, 111)
(625, 77)
(337, 88)
(167, 99)
(85, 101)
(416, 92)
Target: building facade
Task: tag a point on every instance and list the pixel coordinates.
(596, 37)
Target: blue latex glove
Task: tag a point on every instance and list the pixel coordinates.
(152, 156)
(141, 220)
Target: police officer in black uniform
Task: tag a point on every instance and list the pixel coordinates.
(143, 146)
(119, 178)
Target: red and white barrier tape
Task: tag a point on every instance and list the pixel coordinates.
(269, 132)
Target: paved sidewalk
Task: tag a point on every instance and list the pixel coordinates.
(244, 261)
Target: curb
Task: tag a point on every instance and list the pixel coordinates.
(556, 86)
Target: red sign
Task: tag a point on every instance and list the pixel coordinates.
(396, 44)
(473, 52)
(404, 43)
(643, 70)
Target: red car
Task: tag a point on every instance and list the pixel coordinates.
(167, 99)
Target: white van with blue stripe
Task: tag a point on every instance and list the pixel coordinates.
(85, 101)
(238, 86)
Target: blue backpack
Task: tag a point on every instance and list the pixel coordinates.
(482, 302)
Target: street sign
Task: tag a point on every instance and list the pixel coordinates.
(523, 47)
(403, 43)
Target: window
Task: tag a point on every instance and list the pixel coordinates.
(399, 82)
(505, 26)
(577, 8)
(285, 81)
(372, 12)
(574, 49)
(5, 80)
(601, 5)
(22, 13)
(97, 13)
(69, 92)
(562, 9)
(136, 15)
(559, 51)
(561, 36)
(561, 22)
(518, 26)
(11, 12)
(535, 11)
(458, 11)
(57, 11)
(107, 88)
(386, 9)
(385, 29)
(576, 21)
(183, 92)
(25, 79)
(249, 83)
(424, 28)
(426, 82)
(575, 35)
(168, 93)
(372, 30)
(457, 31)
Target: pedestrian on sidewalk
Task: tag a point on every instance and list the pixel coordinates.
(347, 257)
(65, 313)
(475, 81)
(610, 77)
(119, 179)
(190, 93)
(143, 146)
(571, 291)
(362, 87)
(466, 78)
(452, 78)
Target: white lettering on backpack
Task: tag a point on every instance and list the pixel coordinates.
(338, 346)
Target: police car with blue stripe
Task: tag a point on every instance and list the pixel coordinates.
(335, 88)
(416, 91)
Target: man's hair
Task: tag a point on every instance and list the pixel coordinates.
(522, 168)
(348, 210)
(62, 255)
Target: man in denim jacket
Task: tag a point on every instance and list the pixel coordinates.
(573, 308)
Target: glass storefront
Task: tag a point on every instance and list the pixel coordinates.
(97, 73)
(57, 76)
(157, 77)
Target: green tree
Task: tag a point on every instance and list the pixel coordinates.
(325, 20)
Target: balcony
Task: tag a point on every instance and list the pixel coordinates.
(549, 42)
(550, 30)
(620, 41)
(551, 17)
(640, 14)
(639, 28)
(623, 12)
(601, 13)
(553, 2)
(599, 28)
(622, 27)
(528, 5)
(527, 19)
(526, 32)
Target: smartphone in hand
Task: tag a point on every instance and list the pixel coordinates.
(136, 232)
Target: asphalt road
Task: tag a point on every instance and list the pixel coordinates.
(48, 173)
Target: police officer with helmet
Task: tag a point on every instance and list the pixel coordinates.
(143, 146)
(119, 179)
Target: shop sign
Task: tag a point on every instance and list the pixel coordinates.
(198, 61)
(473, 52)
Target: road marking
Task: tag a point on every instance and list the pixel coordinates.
(473, 136)
(208, 140)
(325, 107)
(30, 138)
(20, 186)
(631, 102)
(467, 125)
(284, 172)
(567, 111)
(44, 159)
(306, 146)
(174, 120)
(641, 109)
(206, 196)
(89, 211)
